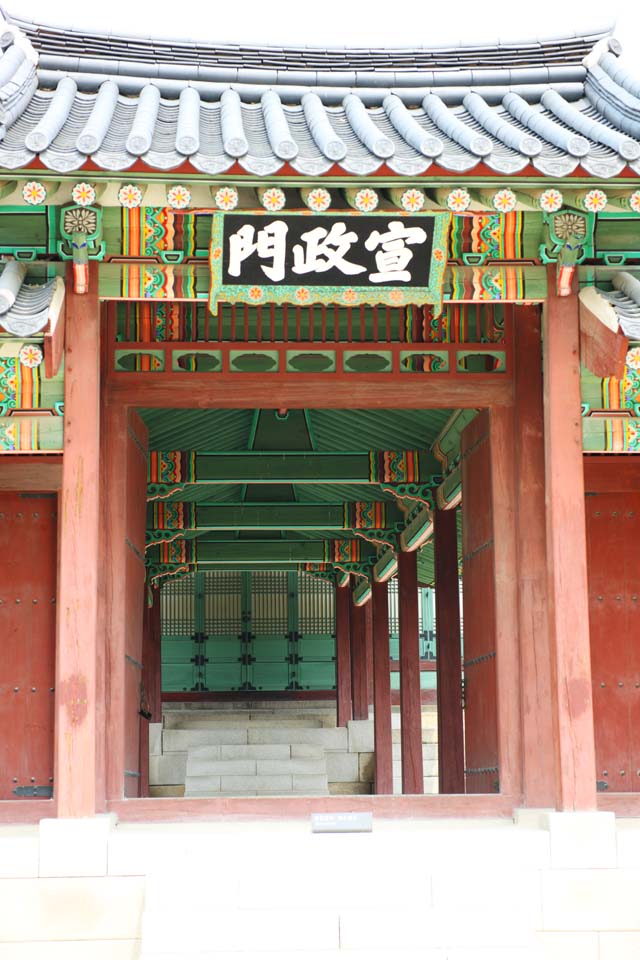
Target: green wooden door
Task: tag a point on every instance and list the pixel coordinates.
(245, 631)
(268, 648)
(316, 639)
(225, 626)
(177, 611)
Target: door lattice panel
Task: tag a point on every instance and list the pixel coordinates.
(258, 630)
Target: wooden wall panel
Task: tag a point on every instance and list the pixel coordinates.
(479, 604)
(613, 542)
(28, 525)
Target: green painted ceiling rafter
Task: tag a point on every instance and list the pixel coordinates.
(255, 516)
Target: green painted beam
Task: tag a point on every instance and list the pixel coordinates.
(610, 434)
(179, 468)
(169, 519)
(221, 553)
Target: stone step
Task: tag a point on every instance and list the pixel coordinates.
(199, 767)
(176, 721)
(331, 738)
(260, 783)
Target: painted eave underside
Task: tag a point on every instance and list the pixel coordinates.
(75, 100)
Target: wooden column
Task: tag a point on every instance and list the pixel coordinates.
(381, 688)
(368, 633)
(115, 421)
(125, 596)
(79, 521)
(410, 709)
(566, 552)
(449, 654)
(501, 427)
(359, 663)
(151, 682)
(343, 655)
(537, 722)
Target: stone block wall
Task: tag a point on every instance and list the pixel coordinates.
(540, 887)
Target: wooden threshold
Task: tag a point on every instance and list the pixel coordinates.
(26, 811)
(622, 804)
(165, 809)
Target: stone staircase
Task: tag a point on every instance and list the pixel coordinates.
(256, 769)
(286, 748)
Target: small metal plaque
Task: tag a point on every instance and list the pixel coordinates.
(342, 822)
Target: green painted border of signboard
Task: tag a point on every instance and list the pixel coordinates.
(350, 296)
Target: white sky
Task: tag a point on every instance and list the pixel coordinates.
(346, 22)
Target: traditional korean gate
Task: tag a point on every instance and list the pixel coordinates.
(27, 643)
(481, 721)
(613, 540)
(234, 631)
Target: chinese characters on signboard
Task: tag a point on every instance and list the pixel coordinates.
(330, 259)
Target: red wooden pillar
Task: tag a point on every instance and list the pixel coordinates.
(368, 628)
(449, 659)
(151, 681)
(359, 663)
(125, 578)
(501, 426)
(343, 655)
(75, 766)
(567, 559)
(410, 709)
(538, 762)
(381, 688)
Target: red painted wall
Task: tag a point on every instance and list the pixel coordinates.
(613, 545)
(28, 547)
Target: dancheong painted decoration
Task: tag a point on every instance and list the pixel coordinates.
(307, 358)
(342, 258)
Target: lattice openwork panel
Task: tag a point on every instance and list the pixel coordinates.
(177, 606)
(269, 602)
(222, 602)
(426, 621)
(316, 605)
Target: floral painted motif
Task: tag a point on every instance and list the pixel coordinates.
(396, 296)
(633, 358)
(130, 196)
(569, 225)
(179, 197)
(303, 295)
(30, 355)
(504, 201)
(83, 194)
(319, 200)
(34, 193)
(550, 200)
(273, 199)
(226, 198)
(349, 295)
(216, 253)
(256, 293)
(366, 200)
(595, 201)
(438, 255)
(634, 201)
(458, 200)
(412, 200)
(79, 220)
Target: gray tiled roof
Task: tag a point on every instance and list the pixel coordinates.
(24, 308)
(625, 300)
(68, 98)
